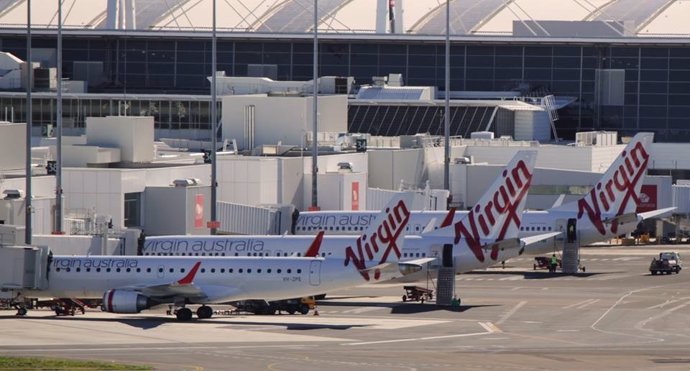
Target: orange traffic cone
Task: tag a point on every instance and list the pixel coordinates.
(316, 310)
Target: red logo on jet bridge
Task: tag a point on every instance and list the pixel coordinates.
(482, 220)
(620, 188)
(380, 243)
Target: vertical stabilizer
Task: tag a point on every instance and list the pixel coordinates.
(382, 241)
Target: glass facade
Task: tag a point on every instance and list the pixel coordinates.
(169, 112)
(656, 88)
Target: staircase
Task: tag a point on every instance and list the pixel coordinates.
(445, 285)
(571, 257)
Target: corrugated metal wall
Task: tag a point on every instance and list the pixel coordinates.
(245, 219)
(378, 198)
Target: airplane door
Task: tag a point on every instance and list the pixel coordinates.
(161, 271)
(448, 255)
(571, 231)
(315, 273)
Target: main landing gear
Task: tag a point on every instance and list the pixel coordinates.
(185, 314)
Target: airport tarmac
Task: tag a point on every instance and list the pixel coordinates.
(614, 316)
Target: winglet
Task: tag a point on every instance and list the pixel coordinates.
(449, 218)
(190, 276)
(313, 250)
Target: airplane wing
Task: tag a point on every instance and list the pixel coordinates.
(559, 201)
(184, 287)
(430, 226)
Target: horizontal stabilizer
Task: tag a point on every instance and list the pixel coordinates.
(622, 219)
(414, 266)
(526, 241)
(657, 213)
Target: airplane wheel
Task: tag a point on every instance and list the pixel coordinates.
(21, 311)
(303, 309)
(204, 312)
(184, 314)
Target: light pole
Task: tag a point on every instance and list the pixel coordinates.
(446, 117)
(59, 207)
(29, 111)
(214, 124)
(315, 145)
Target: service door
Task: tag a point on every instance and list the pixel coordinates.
(315, 273)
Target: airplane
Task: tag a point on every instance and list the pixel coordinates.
(607, 211)
(499, 216)
(130, 284)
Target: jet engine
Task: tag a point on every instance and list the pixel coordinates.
(125, 301)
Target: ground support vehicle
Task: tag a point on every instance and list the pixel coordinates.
(666, 263)
(417, 293)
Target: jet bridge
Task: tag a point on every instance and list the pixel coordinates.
(24, 267)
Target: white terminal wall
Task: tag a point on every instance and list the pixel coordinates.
(469, 182)
(669, 156)
(337, 191)
(132, 134)
(173, 210)
(390, 167)
(12, 146)
(103, 190)
(584, 158)
(281, 119)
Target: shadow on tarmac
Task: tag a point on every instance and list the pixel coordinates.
(147, 323)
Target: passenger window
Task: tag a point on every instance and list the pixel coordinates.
(249, 270)
(148, 270)
(222, 270)
(88, 270)
(172, 270)
(213, 270)
(129, 270)
(289, 270)
(57, 269)
(203, 270)
(78, 269)
(299, 271)
(160, 270)
(182, 270)
(98, 269)
(107, 270)
(258, 270)
(138, 270)
(239, 270)
(268, 270)
(279, 270)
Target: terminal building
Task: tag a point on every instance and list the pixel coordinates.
(624, 63)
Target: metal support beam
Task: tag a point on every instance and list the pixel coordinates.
(59, 207)
(315, 142)
(214, 127)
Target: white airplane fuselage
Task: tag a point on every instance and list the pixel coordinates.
(533, 222)
(220, 279)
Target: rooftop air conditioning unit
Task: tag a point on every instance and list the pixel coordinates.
(11, 194)
(186, 182)
(344, 166)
